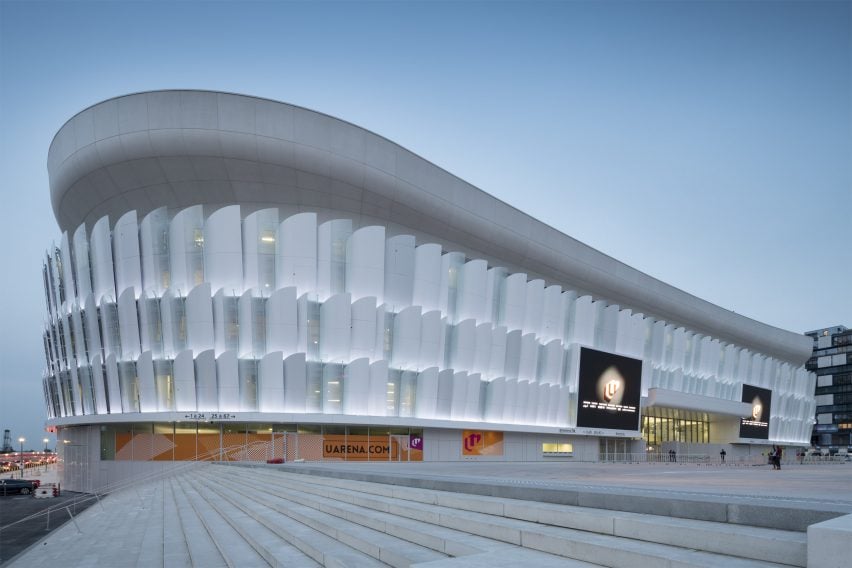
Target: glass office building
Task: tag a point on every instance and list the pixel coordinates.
(832, 363)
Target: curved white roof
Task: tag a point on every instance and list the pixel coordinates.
(181, 148)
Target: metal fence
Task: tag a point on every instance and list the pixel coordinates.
(665, 458)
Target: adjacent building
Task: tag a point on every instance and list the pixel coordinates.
(239, 278)
(832, 363)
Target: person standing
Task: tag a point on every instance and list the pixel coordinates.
(722, 454)
(778, 453)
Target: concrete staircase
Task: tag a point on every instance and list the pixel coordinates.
(405, 526)
(243, 516)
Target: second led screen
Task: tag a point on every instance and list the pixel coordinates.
(609, 390)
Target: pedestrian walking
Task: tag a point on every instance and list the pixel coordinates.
(722, 454)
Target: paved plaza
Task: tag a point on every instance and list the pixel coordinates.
(489, 514)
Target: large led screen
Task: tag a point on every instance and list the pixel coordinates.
(756, 424)
(609, 391)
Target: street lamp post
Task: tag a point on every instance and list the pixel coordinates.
(21, 455)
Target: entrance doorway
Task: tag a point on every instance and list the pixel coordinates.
(613, 450)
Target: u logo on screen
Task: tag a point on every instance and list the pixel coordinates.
(756, 411)
(611, 389)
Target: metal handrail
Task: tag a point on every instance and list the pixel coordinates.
(179, 467)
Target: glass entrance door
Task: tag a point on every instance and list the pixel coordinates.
(613, 450)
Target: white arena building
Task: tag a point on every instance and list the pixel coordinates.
(243, 279)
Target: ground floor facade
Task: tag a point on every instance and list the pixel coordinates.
(93, 457)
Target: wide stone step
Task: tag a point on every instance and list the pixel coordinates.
(268, 545)
(322, 548)
(440, 539)
(604, 549)
(175, 550)
(382, 547)
(231, 545)
(465, 549)
(771, 545)
(202, 548)
(151, 551)
(512, 557)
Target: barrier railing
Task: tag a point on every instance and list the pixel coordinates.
(169, 469)
(665, 458)
(818, 459)
(789, 458)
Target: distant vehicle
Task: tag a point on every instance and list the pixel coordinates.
(11, 486)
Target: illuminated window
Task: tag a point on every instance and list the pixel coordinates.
(557, 449)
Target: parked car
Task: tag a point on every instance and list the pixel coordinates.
(36, 482)
(11, 486)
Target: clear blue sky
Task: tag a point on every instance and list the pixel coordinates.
(708, 144)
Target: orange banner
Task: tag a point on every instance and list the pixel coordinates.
(482, 443)
(260, 447)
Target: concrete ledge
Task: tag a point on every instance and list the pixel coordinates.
(741, 511)
(828, 543)
(591, 521)
(758, 543)
(745, 542)
(508, 558)
(777, 517)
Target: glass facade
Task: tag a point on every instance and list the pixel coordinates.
(238, 441)
(657, 430)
